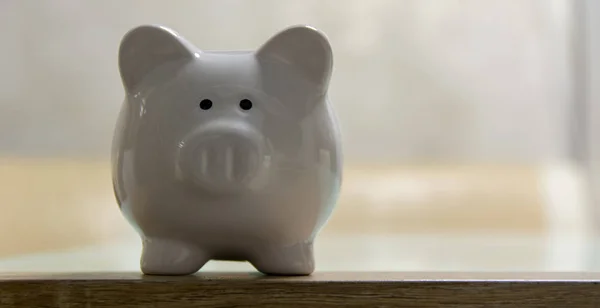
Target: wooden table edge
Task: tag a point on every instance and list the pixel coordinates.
(322, 289)
(317, 277)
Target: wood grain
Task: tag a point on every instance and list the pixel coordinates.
(335, 289)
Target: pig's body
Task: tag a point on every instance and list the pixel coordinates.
(226, 182)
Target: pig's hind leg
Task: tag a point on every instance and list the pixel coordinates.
(296, 260)
(171, 257)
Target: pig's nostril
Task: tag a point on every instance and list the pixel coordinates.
(240, 163)
(229, 163)
(203, 161)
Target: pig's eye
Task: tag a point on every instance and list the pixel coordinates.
(205, 104)
(245, 104)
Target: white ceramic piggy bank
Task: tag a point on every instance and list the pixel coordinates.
(226, 155)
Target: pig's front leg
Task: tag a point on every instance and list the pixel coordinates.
(171, 257)
(291, 260)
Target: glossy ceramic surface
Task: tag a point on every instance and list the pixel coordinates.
(226, 155)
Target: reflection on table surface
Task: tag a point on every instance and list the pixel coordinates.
(61, 216)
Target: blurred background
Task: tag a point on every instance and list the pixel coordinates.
(468, 128)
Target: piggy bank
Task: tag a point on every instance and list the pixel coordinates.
(226, 155)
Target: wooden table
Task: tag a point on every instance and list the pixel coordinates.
(333, 289)
(413, 236)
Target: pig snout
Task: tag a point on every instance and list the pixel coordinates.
(222, 157)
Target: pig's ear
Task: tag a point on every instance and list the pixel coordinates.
(145, 48)
(303, 47)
